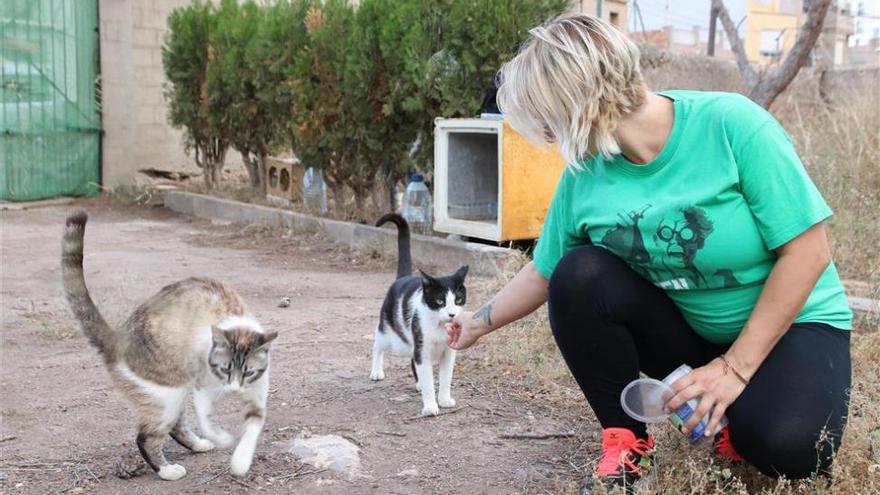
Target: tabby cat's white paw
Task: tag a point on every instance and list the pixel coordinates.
(172, 472)
(240, 464)
(446, 402)
(377, 375)
(430, 410)
(222, 440)
(202, 445)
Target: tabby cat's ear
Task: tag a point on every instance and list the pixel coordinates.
(219, 337)
(267, 340)
(269, 337)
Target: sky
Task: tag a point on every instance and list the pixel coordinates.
(682, 14)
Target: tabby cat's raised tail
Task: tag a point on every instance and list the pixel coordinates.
(404, 259)
(93, 324)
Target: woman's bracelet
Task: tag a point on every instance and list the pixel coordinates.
(727, 367)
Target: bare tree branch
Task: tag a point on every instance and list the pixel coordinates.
(763, 90)
(769, 88)
(742, 60)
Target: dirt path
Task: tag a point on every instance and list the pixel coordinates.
(64, 427)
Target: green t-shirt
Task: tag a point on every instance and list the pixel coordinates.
(702, 219)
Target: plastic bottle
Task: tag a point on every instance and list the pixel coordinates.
(314, 190)
(680, 416)
(416, 206)
(643, 400)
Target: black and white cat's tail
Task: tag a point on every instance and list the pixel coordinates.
(404, 258)
(93, 324)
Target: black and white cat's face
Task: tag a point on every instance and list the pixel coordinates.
(446, 296)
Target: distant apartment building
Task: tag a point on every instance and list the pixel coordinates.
(694, 41)
(772, 26)
(770, 29)
(831, 47)
(866, 17)
(614, 11)
(864, 44)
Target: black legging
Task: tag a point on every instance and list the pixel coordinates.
(610, 323)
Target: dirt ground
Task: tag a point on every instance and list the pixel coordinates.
(64, 429)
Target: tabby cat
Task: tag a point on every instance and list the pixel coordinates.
(192, 336)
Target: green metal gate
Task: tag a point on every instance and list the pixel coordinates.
(50, 118)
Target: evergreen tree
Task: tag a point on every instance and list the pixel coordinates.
(187, 57)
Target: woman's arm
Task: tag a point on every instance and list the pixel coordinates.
(526, 292)
(800, 264)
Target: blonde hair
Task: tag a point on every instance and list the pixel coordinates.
(574, 78)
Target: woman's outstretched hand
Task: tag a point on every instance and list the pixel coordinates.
(522, 295)
(715, 390)
(464, 330)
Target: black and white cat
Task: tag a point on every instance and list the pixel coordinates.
(412, 321)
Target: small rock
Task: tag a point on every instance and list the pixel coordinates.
(412, 472)
(285, 302)
(328, 452)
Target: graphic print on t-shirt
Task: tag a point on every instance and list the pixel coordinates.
(626, 241)
(679, 237)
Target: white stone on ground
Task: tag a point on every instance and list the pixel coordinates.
(329, 452)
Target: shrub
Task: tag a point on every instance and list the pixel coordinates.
(248, 80)
(316, 73)
(386, 36)
(232, 87)
(353, 90)
(280, 39)
(402, 65)
(474, 37)
(187, 56)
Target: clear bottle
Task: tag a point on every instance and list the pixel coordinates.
(314, 191)
(417, 207)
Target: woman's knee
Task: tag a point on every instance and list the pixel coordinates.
(785, 448)
(581, 272)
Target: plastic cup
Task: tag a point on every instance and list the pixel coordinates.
(643, 400)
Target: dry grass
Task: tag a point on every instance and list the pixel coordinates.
(840, 147)
(234, 185)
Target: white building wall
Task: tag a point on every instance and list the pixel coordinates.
(136, 130)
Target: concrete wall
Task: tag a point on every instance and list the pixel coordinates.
(433, 253)
(868, 55)
(136, 131)
(665, 70)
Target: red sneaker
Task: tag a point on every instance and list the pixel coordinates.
(723, 448)
(624, 460)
